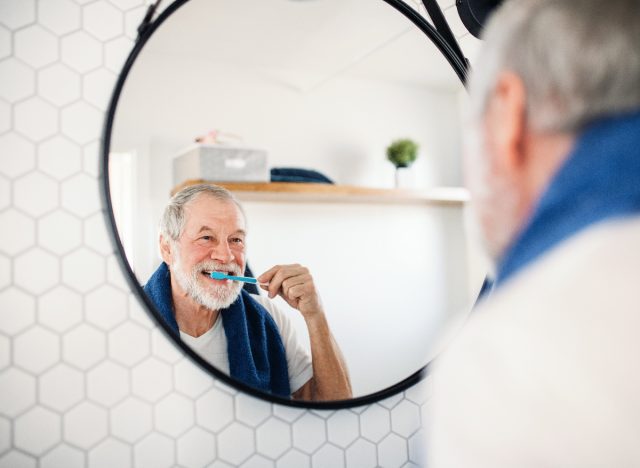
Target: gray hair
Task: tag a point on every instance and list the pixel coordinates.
(579, 59)
(173, 218)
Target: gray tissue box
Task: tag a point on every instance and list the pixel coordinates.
(220, 163)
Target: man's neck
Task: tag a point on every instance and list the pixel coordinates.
(193, 319)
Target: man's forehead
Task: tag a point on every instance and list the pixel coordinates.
(203, 209)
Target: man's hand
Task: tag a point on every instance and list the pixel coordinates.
(295, 285)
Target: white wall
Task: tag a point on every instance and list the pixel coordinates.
(86, 377)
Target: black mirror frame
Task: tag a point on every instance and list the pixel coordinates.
(447, 47)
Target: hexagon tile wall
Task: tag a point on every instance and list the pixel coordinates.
(86, 378)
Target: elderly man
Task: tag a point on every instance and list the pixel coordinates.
(545, 373)
(203, 230)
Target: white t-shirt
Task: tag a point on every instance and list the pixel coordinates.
(212, 346)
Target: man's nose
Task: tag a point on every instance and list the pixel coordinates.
(222, 252)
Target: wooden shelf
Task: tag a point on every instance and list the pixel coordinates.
(328, 193)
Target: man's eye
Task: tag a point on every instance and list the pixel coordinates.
(206, 238)
(237, 240)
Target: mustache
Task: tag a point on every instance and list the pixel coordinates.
(230, 268)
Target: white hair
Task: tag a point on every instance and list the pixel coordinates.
(173, 218)
(579, 59)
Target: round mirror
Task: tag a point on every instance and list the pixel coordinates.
(292, 106)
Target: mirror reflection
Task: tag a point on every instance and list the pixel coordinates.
(360, 275)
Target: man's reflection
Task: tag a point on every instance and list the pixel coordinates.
(203, 230)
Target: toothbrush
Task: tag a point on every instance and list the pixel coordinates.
(218, 275)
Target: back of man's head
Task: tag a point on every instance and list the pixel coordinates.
(579, 59)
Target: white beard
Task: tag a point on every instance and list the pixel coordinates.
(211, 296)
(494, 200)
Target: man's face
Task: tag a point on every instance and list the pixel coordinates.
(213, 239)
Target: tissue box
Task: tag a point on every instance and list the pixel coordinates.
(219, 163)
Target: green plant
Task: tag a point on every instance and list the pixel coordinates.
(403, 152)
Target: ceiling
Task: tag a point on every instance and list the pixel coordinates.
(305, 43)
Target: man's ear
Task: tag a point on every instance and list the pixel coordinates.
(166, 250)
(506, 120)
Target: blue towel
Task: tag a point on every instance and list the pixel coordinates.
(599, 181)
(256, 353)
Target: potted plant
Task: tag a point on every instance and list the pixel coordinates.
(402, 153)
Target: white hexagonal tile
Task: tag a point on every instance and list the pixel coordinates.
(59, 232)
(155, 451)
(5, 353)
(98, 86)
(375, 423)
(18, 80)
(96, 235)
(405, 418)
(110, 453)
(420, 392)
(324, 414)
(18, 390)
(236, 443)
(5, 272)
(214, 410)
(328, 455)
(132, 20)
(127, 4)
(59, 84)
(151, 379)
(5, 116)
(116, 52)
(36, 46)
(417, 448)
(273, 438)
(36, 119)
(59, 157)
(392, 401)
(81, 122)
(59, 16)
(139, 314)
(129, 344)
(250, 410)
(288, 413)
(84, 346)
(106, 307)
(107, 383)
(14, 459)
(196, 448)
(131, 420)
(309, 433)
(60, 309)
(219, 464)
(81, 51)
(174, 415)
(164, 349)
(294, 458)
(37, 430)
(6, 42)
(80, 196)
(36, 349)
(63, 456)
(83, 270)
(36, 271)
(343, 428)
(85, 425)
(190, 379)
(392, 451)
(5, 193)
(103, 20)
(362, 454)
(61, 387)
(5, 434)
(35, 194)
(20, 236)
(91, 159)
(18, 311)
(17, 14)
(258, 461)
(17, 155)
